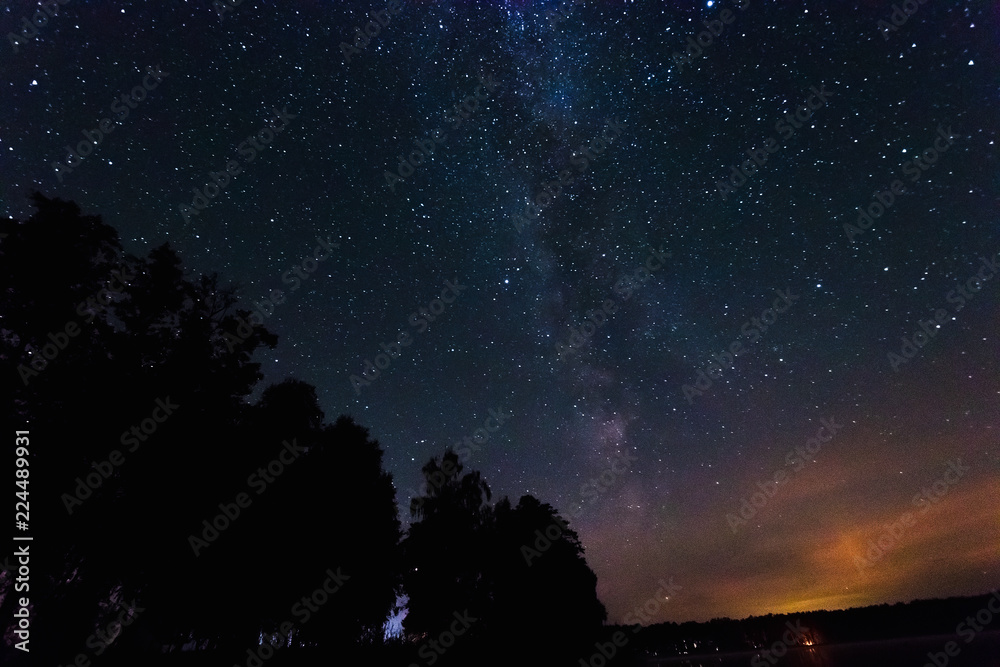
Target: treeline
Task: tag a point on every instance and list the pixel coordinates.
(176, 521)
(912, 619)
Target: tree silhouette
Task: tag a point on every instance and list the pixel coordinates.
(86, 365)
(445, 550)
(464, 554)
(545, 593)
(145, 444)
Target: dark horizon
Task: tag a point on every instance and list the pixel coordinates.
(956, 598)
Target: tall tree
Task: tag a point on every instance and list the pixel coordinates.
(93, 342)
(545, 594)
(446, 548)
(520, 571)
(127, 375)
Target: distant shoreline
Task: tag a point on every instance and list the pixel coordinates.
(942, 638)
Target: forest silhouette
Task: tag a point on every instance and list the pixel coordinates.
(200, 525)
(178, 522)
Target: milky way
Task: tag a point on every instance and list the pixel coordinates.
(624, 191)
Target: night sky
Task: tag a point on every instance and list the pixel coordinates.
(650, 231)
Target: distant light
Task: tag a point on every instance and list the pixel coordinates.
(711, 2)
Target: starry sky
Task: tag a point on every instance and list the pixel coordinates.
(625, 426)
